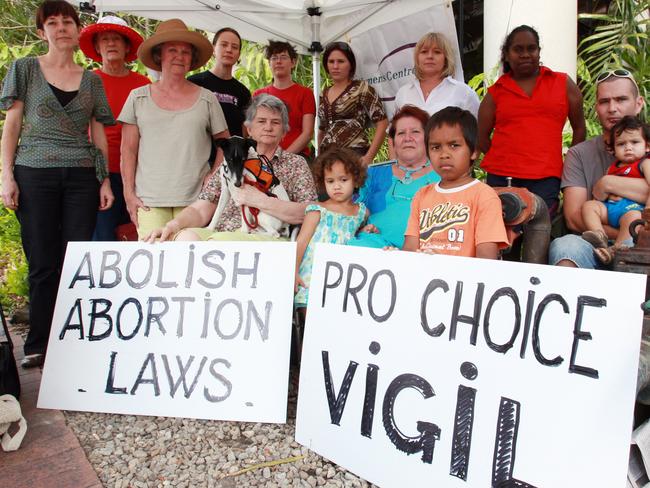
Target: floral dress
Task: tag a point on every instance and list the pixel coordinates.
(333, 228)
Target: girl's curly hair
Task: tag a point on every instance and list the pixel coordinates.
(351, 162)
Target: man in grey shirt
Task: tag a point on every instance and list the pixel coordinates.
(585, 170)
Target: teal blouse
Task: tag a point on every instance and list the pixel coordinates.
(54, 136)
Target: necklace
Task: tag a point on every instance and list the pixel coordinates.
(409, 171)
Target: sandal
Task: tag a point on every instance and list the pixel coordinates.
(596, 238)
(606, 254)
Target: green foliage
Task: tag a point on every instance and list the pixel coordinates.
(480, 82)
(13, 266)
(620, 39)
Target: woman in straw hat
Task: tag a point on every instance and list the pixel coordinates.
(168, 129)
(53, 175)
(113, 43)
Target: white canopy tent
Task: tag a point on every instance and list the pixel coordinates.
(309, 24)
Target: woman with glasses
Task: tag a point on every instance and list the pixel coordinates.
(299, 99)
(390, 187)
(349, 106)
(527, 108)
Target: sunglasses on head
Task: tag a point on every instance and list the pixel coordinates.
(618, 73)
(340, 46)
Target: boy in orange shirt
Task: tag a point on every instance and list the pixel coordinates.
(459, 215)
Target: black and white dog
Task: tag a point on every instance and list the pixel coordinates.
(242, 165)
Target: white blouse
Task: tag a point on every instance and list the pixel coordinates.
(450, 92)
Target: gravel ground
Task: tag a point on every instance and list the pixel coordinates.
(138, 451)
(133, 451)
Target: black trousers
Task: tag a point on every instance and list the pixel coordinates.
(55, 206)
(108, 220)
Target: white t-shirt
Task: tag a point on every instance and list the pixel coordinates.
(450, 92)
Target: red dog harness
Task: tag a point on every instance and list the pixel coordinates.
(263, 178)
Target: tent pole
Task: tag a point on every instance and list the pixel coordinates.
(315, 49)
(315, 69)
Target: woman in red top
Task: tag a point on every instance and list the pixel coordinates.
(527, 108)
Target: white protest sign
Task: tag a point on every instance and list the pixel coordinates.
(179, 329)
(422, 370)
(384, 54)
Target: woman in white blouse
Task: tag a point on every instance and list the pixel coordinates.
(434, 87)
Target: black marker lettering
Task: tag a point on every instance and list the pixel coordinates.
(505, 446)
(149, 361)
(118, 321)
(553, 297)
(182, 373)
(111, 378)
(336, 402)
(262, 326)
(149, 258)
(353, 290)
(424, 320)
(112, 267)
(336, 283)
(393, 295)
(502, 292)
(87, 277)
(368, 414)
(155, 316)
(181, 313)
(236, 270)
(160, 281)
(224, 381)
(473, 320)
(101, 314)
(580, 335)
(239, 321)
(429, 432)
(76, 308)
(215, 267)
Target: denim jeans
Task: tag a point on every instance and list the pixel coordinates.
(55, 206)
(574, 248)
(108, 220)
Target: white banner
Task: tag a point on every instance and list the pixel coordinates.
(384, 54)
(180, 329)
(422, 370)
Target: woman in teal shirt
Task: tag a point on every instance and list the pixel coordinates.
(390, 186)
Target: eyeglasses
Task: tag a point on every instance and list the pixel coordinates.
(282, 57)
(397, 196)
(618, 73)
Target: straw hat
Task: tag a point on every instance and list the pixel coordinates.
(175, 30)
(109, 23)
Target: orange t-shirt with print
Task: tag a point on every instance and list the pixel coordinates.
(454, 221)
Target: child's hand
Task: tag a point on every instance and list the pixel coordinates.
(427, 250)
(298, 282)
(370, 229)
(391, 248)
(614, 198)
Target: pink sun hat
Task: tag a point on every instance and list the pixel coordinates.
(107, 24)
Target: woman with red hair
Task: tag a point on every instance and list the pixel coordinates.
(390, 186)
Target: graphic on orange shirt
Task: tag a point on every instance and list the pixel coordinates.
(441, 217)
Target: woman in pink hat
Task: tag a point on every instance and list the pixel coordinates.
(113, 43)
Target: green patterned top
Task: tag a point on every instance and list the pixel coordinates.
(54, 136)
